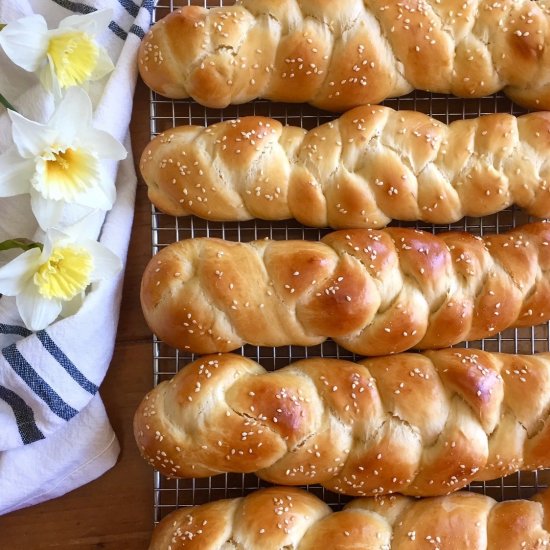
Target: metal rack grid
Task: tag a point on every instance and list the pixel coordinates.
(165, 114)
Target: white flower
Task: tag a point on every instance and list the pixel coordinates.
(52, 281)
(58, 163)
(63, 57)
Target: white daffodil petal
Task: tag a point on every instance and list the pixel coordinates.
(103, 143)
(76, 232)
(30, 138)
(25, 41)
(103, 66)
(102, 197)
(55, 237)
(72, 306)
(48, 79)
(15, 173)
(47, 76)
(36, 311)
(92, 23)
(15, 274)
(47, 212)
(106, 263)
(72, 116)
(48, 245)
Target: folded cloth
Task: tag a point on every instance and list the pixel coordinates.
(54, 432)
(83, 450)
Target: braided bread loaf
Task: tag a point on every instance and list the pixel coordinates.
(280, 518)
(372, 165)
(338, 54)
(375, 292)
(415, 424)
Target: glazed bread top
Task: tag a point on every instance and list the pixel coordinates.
(374, 292)
(417, 424)
(364, 169)
(338, 54)
(280, 517)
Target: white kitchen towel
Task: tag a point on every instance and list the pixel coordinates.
(54, 432)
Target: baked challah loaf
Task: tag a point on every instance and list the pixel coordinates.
(279, 518)
(375, 292)
(338, 54)
(372, 165)
(416, 424)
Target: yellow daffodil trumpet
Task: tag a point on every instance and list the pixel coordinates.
(64, 274)
(73, 56)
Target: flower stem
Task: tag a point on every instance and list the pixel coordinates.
(3, 100)
(23, 244)
(6, 103)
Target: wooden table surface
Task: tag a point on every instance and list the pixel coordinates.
(115, 512)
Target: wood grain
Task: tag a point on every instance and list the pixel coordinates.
(116, 511)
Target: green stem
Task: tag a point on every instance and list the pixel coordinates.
(3, 100)
(23, 244)
(6, 103)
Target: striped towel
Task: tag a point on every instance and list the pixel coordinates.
(54, 433)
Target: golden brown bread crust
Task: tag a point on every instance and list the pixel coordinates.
(338, 54)
(375, 292)
(242, 522)
(275, 518)
(417, 424)
(370, 166)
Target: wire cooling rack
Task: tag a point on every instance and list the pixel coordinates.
(165, 114)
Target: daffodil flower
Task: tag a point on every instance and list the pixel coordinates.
(63, 57)
(59, 163)
(51, 281)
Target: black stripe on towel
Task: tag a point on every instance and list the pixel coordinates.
(118, 30)
(149, 5)
(130, 7)
(77, 7)
(37, 384)
(138, 31)
(14, 329)
(57, 353)
(24, 416)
